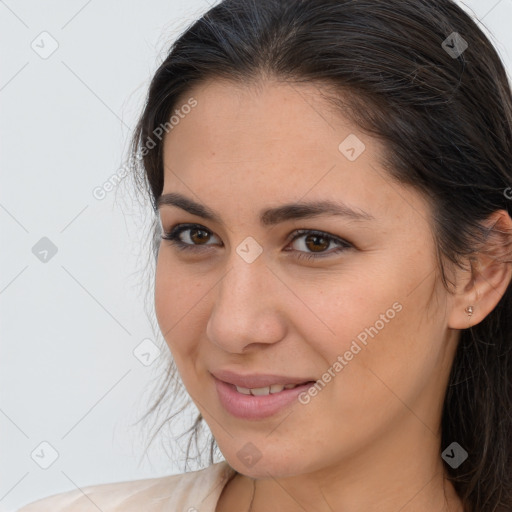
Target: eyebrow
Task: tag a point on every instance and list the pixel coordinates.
(270, 216)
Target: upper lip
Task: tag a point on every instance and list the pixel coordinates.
(260, 380)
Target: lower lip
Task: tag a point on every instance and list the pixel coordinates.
(249, 407)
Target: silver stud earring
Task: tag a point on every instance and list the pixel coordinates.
(469, 311)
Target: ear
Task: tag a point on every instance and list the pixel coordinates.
(491, 272)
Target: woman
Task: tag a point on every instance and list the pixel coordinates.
(332, 185)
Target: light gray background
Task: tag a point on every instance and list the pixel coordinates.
(69, 326)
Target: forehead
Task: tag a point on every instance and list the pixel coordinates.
(236, 118)
(275, 142)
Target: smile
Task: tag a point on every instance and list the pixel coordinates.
(274, 388)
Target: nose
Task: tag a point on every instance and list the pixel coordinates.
(247, 306)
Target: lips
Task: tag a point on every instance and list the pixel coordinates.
(255, 407)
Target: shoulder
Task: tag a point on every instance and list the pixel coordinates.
(199, 490)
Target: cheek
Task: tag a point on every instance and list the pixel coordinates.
(167, 286)
(174, 298)
(181, 306)
(335, 310)
(371, 334)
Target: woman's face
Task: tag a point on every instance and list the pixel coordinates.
(364, 316)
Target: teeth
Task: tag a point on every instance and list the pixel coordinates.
(274, 388)
(260, 391)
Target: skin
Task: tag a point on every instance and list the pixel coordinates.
(370, 440)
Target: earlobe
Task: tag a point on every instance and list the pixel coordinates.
(490, 277)
(469, 311)
(462, 318)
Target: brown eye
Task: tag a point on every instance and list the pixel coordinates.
(311, 242)
(199, 236)
(316, 243)
(188, 235)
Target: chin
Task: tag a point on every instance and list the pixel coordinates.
(265, 464)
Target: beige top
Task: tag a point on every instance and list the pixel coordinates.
(196, 491)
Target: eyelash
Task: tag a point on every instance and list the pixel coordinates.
(173, 237)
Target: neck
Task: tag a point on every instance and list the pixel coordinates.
(437, 495)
